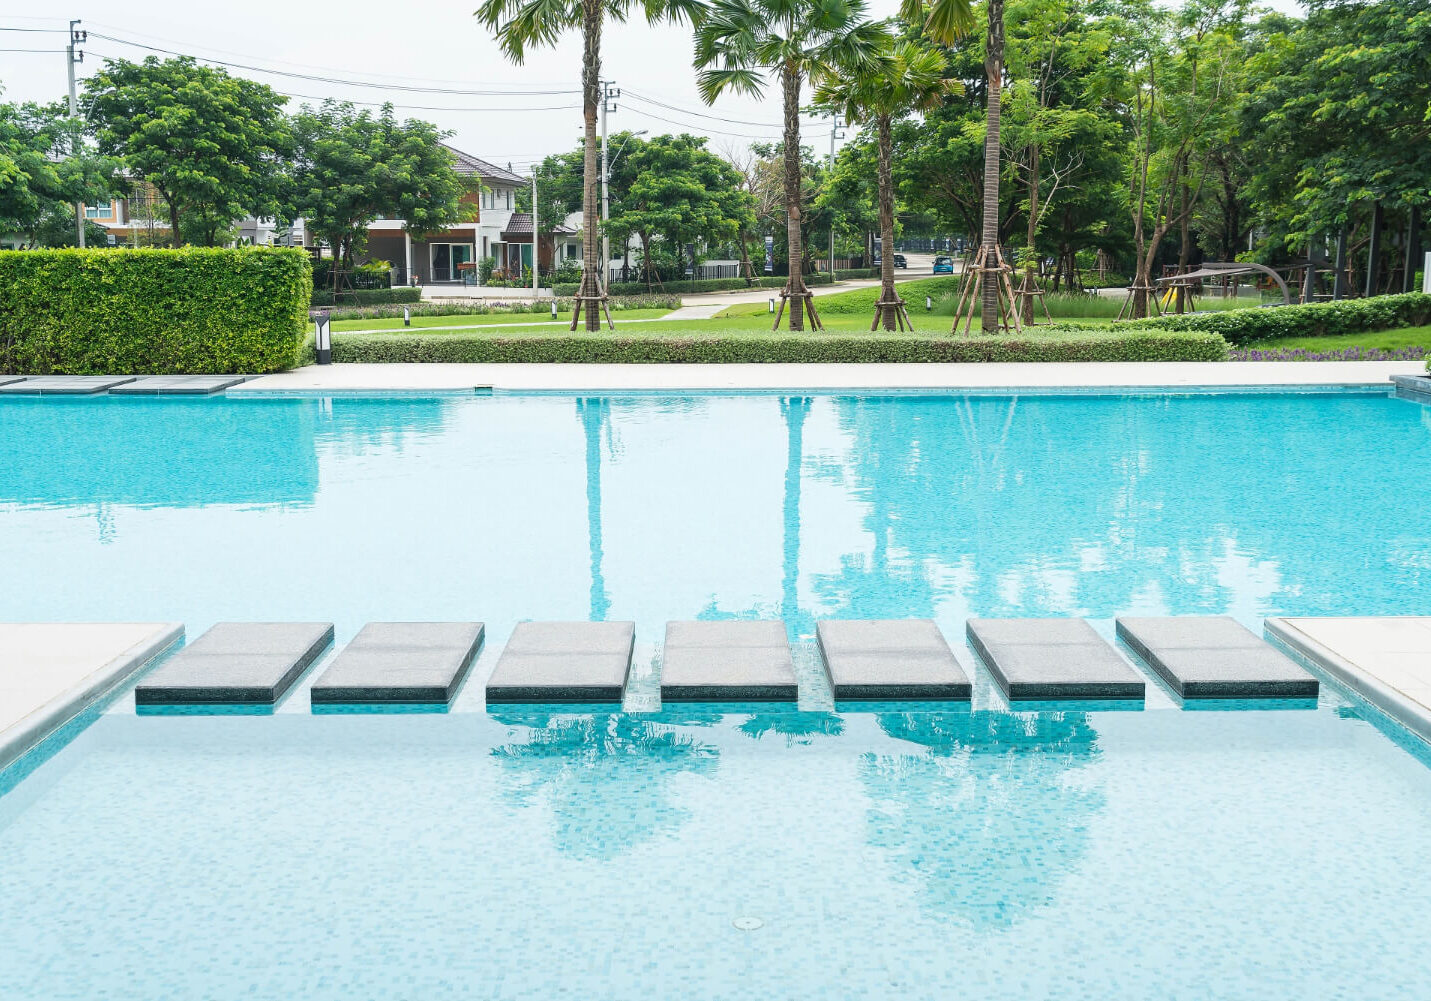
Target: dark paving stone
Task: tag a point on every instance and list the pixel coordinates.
(1053, 659)
(177, 385)
(886, 659)
(1215, 657)
(253, 663)
(563, 662)
(65, 385)
(401, 662)
(6, 380)
(738, 661)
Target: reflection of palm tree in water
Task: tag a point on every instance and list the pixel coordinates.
(604, 776)
(990, 817)
(595, 415)
(795, 726)
(794, 411)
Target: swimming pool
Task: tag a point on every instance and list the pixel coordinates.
(898, 851)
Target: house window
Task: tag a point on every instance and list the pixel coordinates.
(105, 211)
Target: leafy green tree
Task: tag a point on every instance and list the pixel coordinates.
(42, 175)
(739, 42)
(525, 24)
(351, 167)
(904, 76)
(213, 145)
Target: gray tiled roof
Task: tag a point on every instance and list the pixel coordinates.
(470, 166)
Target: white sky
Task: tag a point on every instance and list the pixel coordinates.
(422, 43)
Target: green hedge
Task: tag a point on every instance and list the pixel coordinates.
(323, 298)
(120, 312)
(1065, 345)
(704, 285)
(1317, 319)
(482, 308)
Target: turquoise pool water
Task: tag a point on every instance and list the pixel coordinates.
(896, 852)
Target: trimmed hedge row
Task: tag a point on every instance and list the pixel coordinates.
(1317, 319)
(703, 285)
(775, 347)
(323, 298)
(121, 312)
(481, 308)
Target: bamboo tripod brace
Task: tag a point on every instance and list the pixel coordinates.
(805, 294)
(970, 294)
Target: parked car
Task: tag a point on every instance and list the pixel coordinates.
(943, 265)
(900, 262)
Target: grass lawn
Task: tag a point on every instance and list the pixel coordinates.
(468, 321)
(1381, 340)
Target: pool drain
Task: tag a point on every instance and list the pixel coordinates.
(748, 923)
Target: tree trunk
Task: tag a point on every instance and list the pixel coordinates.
(590, 95)
(1185, 248)
(795, 285)
(746, 271)
(174, 240)
(886, 225)
(994, 70)
(1032, 262)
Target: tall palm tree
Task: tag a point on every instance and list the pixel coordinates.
(945, 21)
(740, 41)
(905, 76)
(526, 24)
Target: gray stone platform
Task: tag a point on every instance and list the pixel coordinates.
(1052, 659)
(177, 385)
(401, 662)
(249, 663)
(1215, 657)
(886, 659)
(564, 662)
(65, 385)
(736, 661)
(6, 380)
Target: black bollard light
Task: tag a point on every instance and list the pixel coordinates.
(406, 316)
(324, 339)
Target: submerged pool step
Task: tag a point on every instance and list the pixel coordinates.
(733, 661)
(237, 663)
(1215, 657)
(1053, 659)
(890, 659)
(586, 662)
(401, 662)
(64, 385)
(177, 385)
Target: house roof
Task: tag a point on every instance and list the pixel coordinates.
(520, 225)
(470, 166)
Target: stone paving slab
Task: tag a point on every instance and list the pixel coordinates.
(733, 661)
(52, 671)
(564, 662)
(890, 659)
(65, 385)
(177, 385)
(1052, 659)
(249, 663)
(401, 662)
(1215, 657)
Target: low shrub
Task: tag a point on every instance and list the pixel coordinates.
(703, 285)
(546, 347)
(1318, 319)
(366, 297)
(492, 307)
(121, 312)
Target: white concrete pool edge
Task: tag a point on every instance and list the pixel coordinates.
(1007, 376)
(52, 672)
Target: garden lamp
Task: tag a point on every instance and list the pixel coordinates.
(324, 339)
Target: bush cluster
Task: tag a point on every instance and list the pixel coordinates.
(481, 308)
(122, 312)
(1318, 319)
(1080, 345)
(323, 298)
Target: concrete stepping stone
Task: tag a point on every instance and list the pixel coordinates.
(248, 663)
(888, 659)
(734, 661)
(564, 662)
(400, 662)
(1215, 657)
(177, 385)
(1052, 659)
(65, 385)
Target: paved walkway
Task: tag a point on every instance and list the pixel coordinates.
(1385, 659)
(49, 672)
(1031, 376)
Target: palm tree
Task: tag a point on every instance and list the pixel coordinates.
(946, 21)
(905, 76)
(739, 41)
(525, 24)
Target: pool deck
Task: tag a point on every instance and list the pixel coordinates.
(1030, 376)
(50, 672)
(1386, 660)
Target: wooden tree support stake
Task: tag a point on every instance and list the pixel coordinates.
(809, 299)
(1129, 309)
(897, 308)
(986, 270)
(576, 310)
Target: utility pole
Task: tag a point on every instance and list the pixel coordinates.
(609, 94)
(536, 237)
(77, 37)
(835, 133)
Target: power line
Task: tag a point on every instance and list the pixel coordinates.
(336, 80)
(778, 126)
(702, 128)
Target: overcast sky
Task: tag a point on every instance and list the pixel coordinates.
(413, 44)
